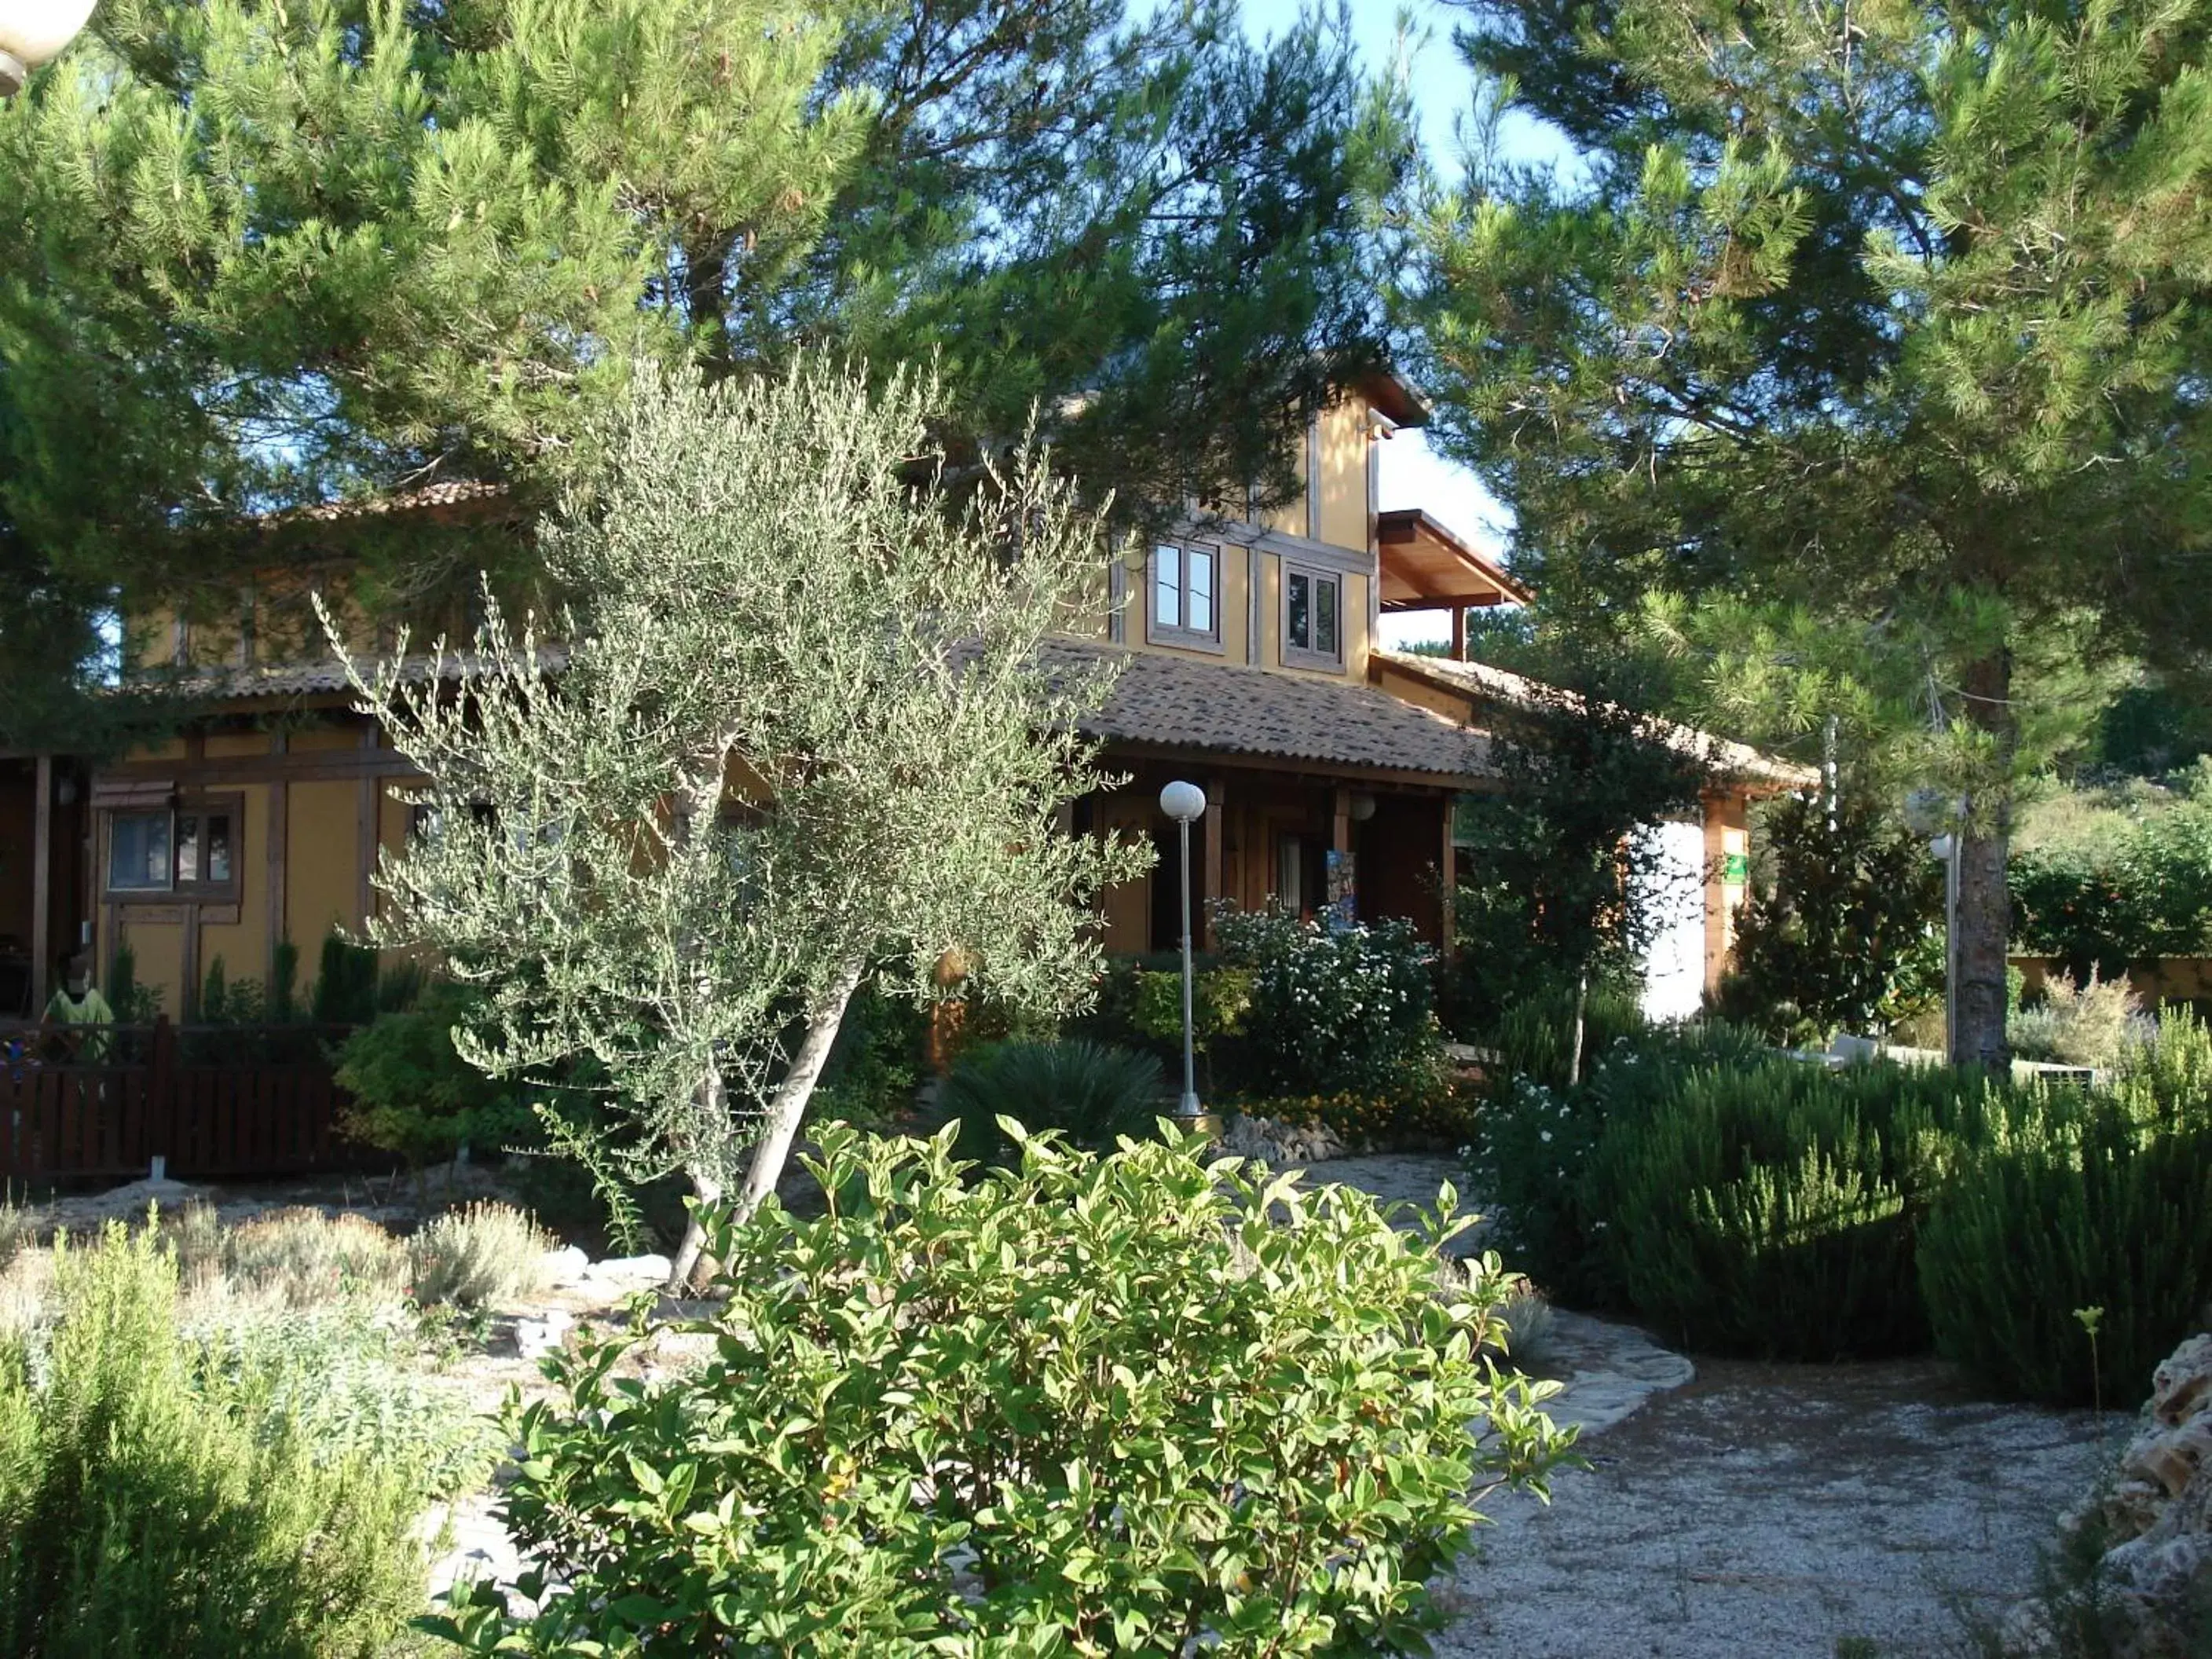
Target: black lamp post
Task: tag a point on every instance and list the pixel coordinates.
(1186, 803)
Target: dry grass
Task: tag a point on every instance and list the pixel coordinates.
(303, 1258)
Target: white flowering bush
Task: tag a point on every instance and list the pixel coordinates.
(1336, 1009)
(1534, 1142)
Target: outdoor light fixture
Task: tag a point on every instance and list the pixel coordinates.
(1186, 803)
(31, 32)
(1363, 808)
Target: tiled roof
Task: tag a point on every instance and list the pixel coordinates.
(321, 677)
(1484, 684)
(1176, 702)
(1184, 702)
(452, 493)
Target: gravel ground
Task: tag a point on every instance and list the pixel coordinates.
(1742, 1511)
(1771, 1512)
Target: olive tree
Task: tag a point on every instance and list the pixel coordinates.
(792, 722)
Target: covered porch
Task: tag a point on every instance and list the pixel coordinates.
(1321, 794)
(1315, 842)
(43, 878)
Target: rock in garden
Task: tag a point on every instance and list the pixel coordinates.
(2158, 1513)
(1280, 1143)
(535, 1338)
(563, 1267)
(2181, 1387)
(631, 1269)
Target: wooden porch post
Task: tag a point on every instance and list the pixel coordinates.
(1458, 633)
(42, 886)
(1448, 881)
(367, 795)
(1217, 832)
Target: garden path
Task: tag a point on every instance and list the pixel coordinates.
(1749, 1511)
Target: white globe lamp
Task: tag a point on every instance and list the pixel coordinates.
(34, 32)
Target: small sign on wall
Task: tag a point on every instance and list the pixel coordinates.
(1736, 869)
(1343, 903)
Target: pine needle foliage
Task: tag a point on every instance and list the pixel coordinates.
(1890, 312)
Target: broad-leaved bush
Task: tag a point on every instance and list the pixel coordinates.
(1335, 1009)
(1092, 1403)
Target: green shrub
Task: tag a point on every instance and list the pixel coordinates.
(1335, 1010)
(1534, 1038)
(1094, 1404)
(349, 1381)
(2172, 1070)
(413, 1096)
(1848, 934)
(20, 1225)
(145, 1507)
(2104, 1201)
(1532, 1138)
(2146, 894)
(2094, 1024)
(1091, 1093)
(1771, 1209)
(345, 982)
(472, 1257)
(1437, 1112)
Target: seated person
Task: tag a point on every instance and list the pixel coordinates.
(78, 1004)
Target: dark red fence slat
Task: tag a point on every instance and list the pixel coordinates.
(201, 1112)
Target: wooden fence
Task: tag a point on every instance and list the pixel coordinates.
(207, 1100)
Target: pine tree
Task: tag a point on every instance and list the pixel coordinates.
(255, 255)
(1891, 310)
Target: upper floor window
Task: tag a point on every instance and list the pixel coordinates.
(190, 852)
(1313, 618)
(1185, 603)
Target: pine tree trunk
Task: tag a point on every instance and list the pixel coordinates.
(1984, 915)
(788, 1106)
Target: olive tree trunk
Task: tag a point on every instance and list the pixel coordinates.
(787, 1108)
(789, 1104)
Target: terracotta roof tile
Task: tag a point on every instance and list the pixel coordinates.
(1483, 684)
(1181, 702)
(455, 492)
(1176, 702)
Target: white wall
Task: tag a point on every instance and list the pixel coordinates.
(1672, 894)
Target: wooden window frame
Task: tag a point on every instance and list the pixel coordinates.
(230, 804)
(1306, 656)
(1177, 632)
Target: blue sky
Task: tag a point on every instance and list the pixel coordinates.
(1442, 88)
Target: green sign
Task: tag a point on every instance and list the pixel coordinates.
(1735, 868)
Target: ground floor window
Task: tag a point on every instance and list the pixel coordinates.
(189, 850)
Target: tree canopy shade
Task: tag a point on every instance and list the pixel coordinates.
(256, 255)
(802, 730)
(1892, 311)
